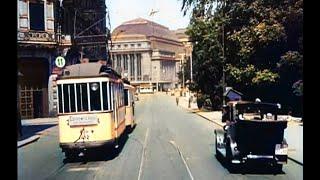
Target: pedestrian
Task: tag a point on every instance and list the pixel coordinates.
(177, 100)
(189, 103)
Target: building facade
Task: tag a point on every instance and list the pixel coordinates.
(146, 53)
(186, 55)
(36, 50)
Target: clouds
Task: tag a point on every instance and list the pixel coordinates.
(169, 12)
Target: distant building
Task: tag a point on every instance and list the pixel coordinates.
(186, 54)
(146, 53)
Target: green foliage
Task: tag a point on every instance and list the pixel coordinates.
(265, 76)
(263, 46)
(291, 58)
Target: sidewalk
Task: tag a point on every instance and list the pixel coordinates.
(293, 133)
(33, 128)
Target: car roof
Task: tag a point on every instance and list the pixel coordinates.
(244, 104)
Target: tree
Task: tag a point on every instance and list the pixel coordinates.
(263, 47)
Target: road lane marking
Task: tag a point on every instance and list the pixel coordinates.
(184, 161)
(143, 153)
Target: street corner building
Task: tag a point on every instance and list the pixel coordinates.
(147, 53)
(39, 42)
(36, 45)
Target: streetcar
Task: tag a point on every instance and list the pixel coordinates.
(91, 108)
(129, 92)
(146, 90)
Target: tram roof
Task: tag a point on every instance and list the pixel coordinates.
(88, 70)
(128, 86)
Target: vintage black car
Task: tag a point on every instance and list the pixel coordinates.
(252, 133)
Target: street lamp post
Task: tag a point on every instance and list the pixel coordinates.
(191, 80)
(182, 76)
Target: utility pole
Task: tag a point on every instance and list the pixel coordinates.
(191, 80)
(152, 13)
(223, 59)
(183, 72)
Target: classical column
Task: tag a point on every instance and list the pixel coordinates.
(135, 57)
(129, 66)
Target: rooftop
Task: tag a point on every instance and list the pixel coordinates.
(145, 27)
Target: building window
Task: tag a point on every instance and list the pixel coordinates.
(23, 14)
(119, 46)
(132, 45)
(36, 13)
(23, 8)
(49, 11)
(126, 45)
(50, 18)
(139, 45)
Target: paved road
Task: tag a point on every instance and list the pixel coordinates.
(168, 143)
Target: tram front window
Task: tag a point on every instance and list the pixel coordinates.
(82, 97)
(95, 100)
(75, 97)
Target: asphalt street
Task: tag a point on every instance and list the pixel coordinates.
(167, 143)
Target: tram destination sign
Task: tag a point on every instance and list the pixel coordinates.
(83, 120)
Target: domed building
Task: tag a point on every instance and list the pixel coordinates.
(146, 53)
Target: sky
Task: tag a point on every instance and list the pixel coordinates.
(169, 12)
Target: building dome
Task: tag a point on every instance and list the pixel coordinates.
(145, 27)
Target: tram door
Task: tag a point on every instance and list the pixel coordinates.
(37, 104)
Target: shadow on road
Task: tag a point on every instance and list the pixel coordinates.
(31, 130)
(100, 154)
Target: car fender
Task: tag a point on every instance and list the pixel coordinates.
(220, 138)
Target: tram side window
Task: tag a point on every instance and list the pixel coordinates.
(82, 97)
(105, 96)
(126, 97)
(118, 95)
(111, 95)
(122, 95)
(95, 99)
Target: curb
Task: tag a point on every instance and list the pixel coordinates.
(210, 120)
(294, 160)
(27, 141)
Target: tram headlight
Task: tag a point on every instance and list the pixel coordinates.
(94, 86)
